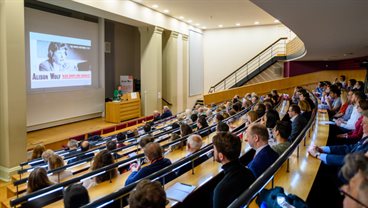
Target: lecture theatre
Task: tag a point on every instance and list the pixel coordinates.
(183, 103)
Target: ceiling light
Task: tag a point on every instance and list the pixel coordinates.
(276, 21)
(197, 24)
(166, 11)
(204, 27)
(237, 24)
(256, 23)
(220, 25)
(189, 21)
(181, 17)
(155, 6)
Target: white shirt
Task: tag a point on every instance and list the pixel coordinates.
(355, 115)
(293, 118)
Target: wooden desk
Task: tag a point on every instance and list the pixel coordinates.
(121, 111)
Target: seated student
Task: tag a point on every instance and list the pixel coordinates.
(250, 117)
(355, 171)
(298, 122)
(305, 109)
(72, 146)
(344, 104)
(185, 129)
(102, 159)
(304, 95)
(153, 153)
(75, 196)
(120, 138)
(156, 116)
(145, 140)
(194, 117)
(265, 156)
(237, 177)
(269, 120)
(37, 151)
(218, 118)
(110, 146)
(147, 128)
(38, 180)
(202, 122)
(334, 155)
(222, 127)
(357, 133)
(84, 148)
(334, 101)
(275, 96)
(260, 109)
(345, 115)
(147, 194)
(166, 112)
(282, 133)
(55, 161)
(46, 155)
(359, 86)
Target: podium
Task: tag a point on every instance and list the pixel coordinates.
(128, 108)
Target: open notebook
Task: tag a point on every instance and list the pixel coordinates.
(179, 191)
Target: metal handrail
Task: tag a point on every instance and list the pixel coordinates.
(262, 57)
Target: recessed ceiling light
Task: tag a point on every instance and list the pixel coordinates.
(166, 11)
(197, 24)
(189, 21)
(256, 23)
(237, 24)
(276, 21)
(181, 17)
(220, 25)
(204, 27)
(155, 6)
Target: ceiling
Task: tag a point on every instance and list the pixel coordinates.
(209, 14)
(330, 29)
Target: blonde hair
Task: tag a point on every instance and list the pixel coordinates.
(55, 161)
(304, 106)
(344, 97)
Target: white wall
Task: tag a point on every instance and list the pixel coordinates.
(225, 50)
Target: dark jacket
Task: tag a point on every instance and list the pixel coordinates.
(236, 180)
(148, 170)
(166, 114)
(337, 153)
(264, 159)
(297, 126)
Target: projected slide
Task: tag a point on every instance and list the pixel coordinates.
(59, 61)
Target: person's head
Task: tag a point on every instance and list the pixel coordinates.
(174, 136)
(282, 130)
(342, 78)
(153, 151)
(102, 159)
(202, 122)
(37, 151)
(85, 146)
(355, 171)
(365, 122)
(57, 53)
(357, 96)
(362, 106)
(359, 84)
(55, 161)
(194, 117)
(147, 127)
(156, 113)
(75, 196)
(194, 143)
(145, 140)
(226, 147)
(304, 106)
(47, 154)
(185, 129)
(121, 137)
(256, 135)
(147, 194)
(335, 93)
(166, 108)
(254, 99)
(294, 110)
(38, 180)
(268, 105)
(252, 116)
(73, 144)
(272, 116)
(260, 108)
(351, 82)
(111, 145)
(222, 127)
(219, 117)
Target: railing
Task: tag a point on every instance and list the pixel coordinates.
(163, 99)
(247, 196)
(277, 48)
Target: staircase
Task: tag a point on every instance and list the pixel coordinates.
(266, 58)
